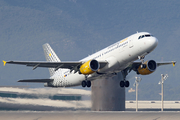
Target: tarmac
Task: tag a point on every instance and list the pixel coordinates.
(88, 115)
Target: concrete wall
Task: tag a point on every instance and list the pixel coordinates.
(107, 95)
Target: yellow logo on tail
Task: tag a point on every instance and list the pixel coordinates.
(49, 54)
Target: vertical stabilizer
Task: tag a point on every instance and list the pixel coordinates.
(50, 56)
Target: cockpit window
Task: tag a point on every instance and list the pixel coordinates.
(142, 36)
(148, 35)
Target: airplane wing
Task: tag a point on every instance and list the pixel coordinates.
(36, 64)
(134, 66)
(166, 63)
(68, 65)
(158, 63)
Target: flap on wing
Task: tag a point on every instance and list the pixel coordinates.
(37, 80)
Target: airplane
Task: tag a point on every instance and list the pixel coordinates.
(118, 57)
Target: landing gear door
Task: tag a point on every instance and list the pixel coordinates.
(131, 43)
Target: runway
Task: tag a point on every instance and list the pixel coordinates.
(87, 115)
(38, 104)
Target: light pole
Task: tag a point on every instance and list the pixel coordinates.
(138, 79)
(163, 78)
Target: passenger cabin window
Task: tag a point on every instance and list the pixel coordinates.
(142, 36)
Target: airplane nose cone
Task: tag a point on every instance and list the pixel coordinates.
(152, 43)
(155, 41)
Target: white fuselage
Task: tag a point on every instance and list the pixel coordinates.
(118, 55)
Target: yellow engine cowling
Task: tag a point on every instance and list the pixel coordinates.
(150, 68)
(89, 67)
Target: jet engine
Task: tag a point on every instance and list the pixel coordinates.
(89, 67)
(147, 68)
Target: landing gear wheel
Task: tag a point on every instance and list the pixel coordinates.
(126, 83)
(122, 84)
(88, 83)
(84, 83)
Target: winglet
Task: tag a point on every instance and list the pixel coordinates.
(4, 62)
(173, 63)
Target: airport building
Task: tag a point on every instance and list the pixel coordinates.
(44, 99)
(65, 97)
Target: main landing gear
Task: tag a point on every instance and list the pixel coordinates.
(124, 83)
(86, 82)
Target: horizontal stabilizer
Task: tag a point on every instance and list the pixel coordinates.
(37, 80)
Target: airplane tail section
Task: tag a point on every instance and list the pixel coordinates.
(51, 57)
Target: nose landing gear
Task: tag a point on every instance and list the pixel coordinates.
(141, 58)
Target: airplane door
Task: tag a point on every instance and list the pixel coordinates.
(131, 43)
